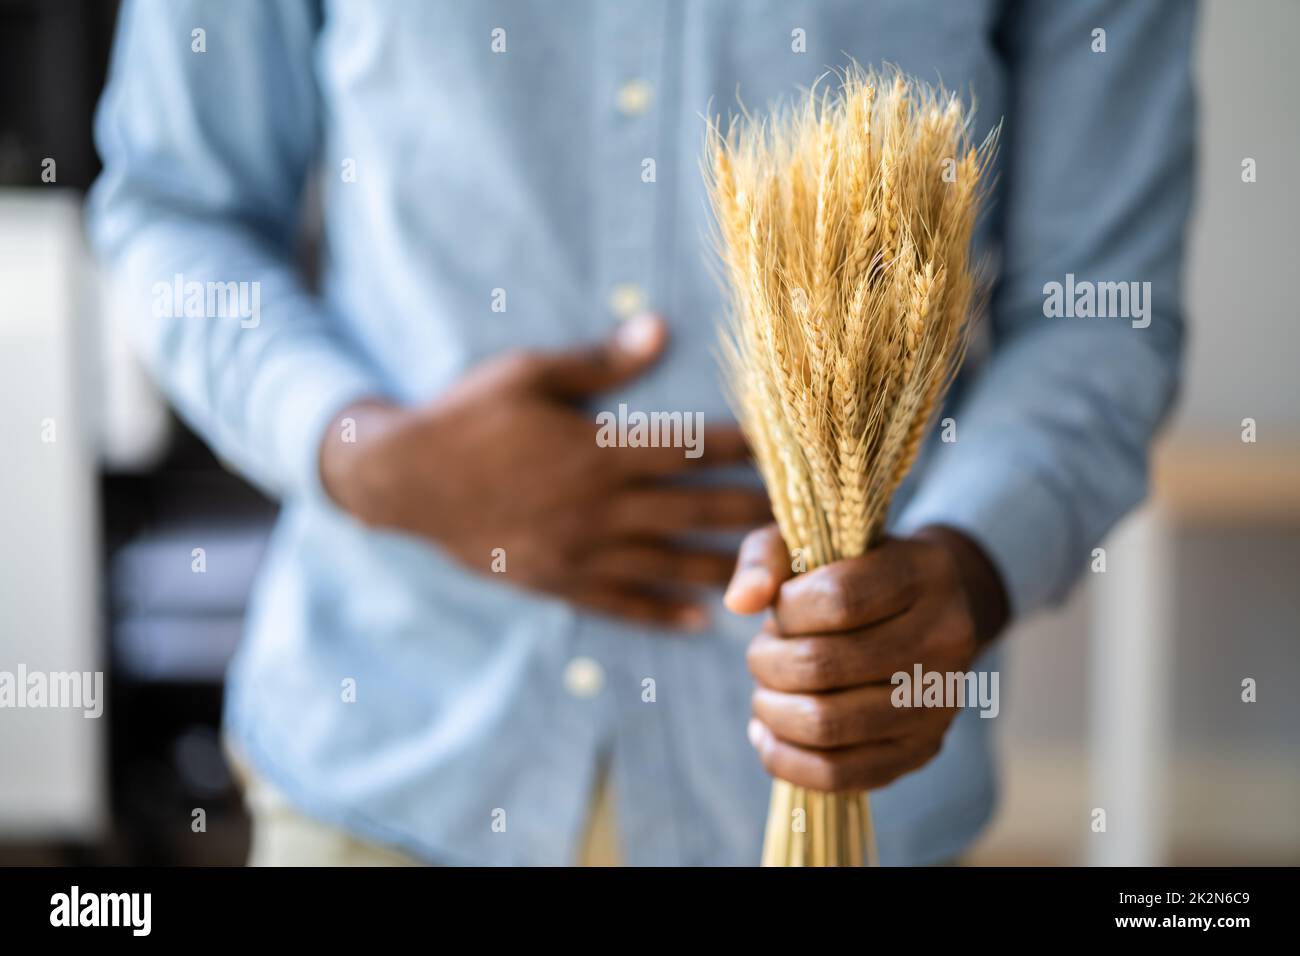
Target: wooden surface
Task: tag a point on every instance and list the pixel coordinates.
(1228, 483)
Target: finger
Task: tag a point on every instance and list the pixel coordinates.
(633, 604)
(724, 445)
(846, 718)
(578, 373)
(761, 565)
(865, 767)
(855, 592)
(718, 446)
(668, 511)
(821, 662)
(658, 564)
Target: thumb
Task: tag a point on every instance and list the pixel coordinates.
(762, 566)
(629, 351)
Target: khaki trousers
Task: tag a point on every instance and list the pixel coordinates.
(284, 836)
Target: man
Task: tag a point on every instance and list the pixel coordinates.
(481, 637)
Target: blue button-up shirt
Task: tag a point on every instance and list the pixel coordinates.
(464, 148)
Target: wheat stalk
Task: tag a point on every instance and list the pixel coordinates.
(846, 253)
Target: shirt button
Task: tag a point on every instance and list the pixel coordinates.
(584, 677)
(634, 97)
(627, 299)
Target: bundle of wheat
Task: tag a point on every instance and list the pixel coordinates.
(843, 226)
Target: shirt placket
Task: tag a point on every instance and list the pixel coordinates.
(633, 92)
(629, 105)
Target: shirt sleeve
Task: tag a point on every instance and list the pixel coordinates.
(208, 128)
(1097, 166)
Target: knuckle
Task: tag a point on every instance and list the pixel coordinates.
(963, 635)
(908, 580)
(944, 565)
(822, 724)
(837, 597)
(813, 668)
(953, 637)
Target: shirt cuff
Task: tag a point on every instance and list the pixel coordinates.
(1011, 512)
(303, 391)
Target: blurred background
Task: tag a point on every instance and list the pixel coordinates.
(1128, 700)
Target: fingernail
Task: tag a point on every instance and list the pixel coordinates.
(756, 734)
(748, 579)
(639, 335)
(692, 618)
